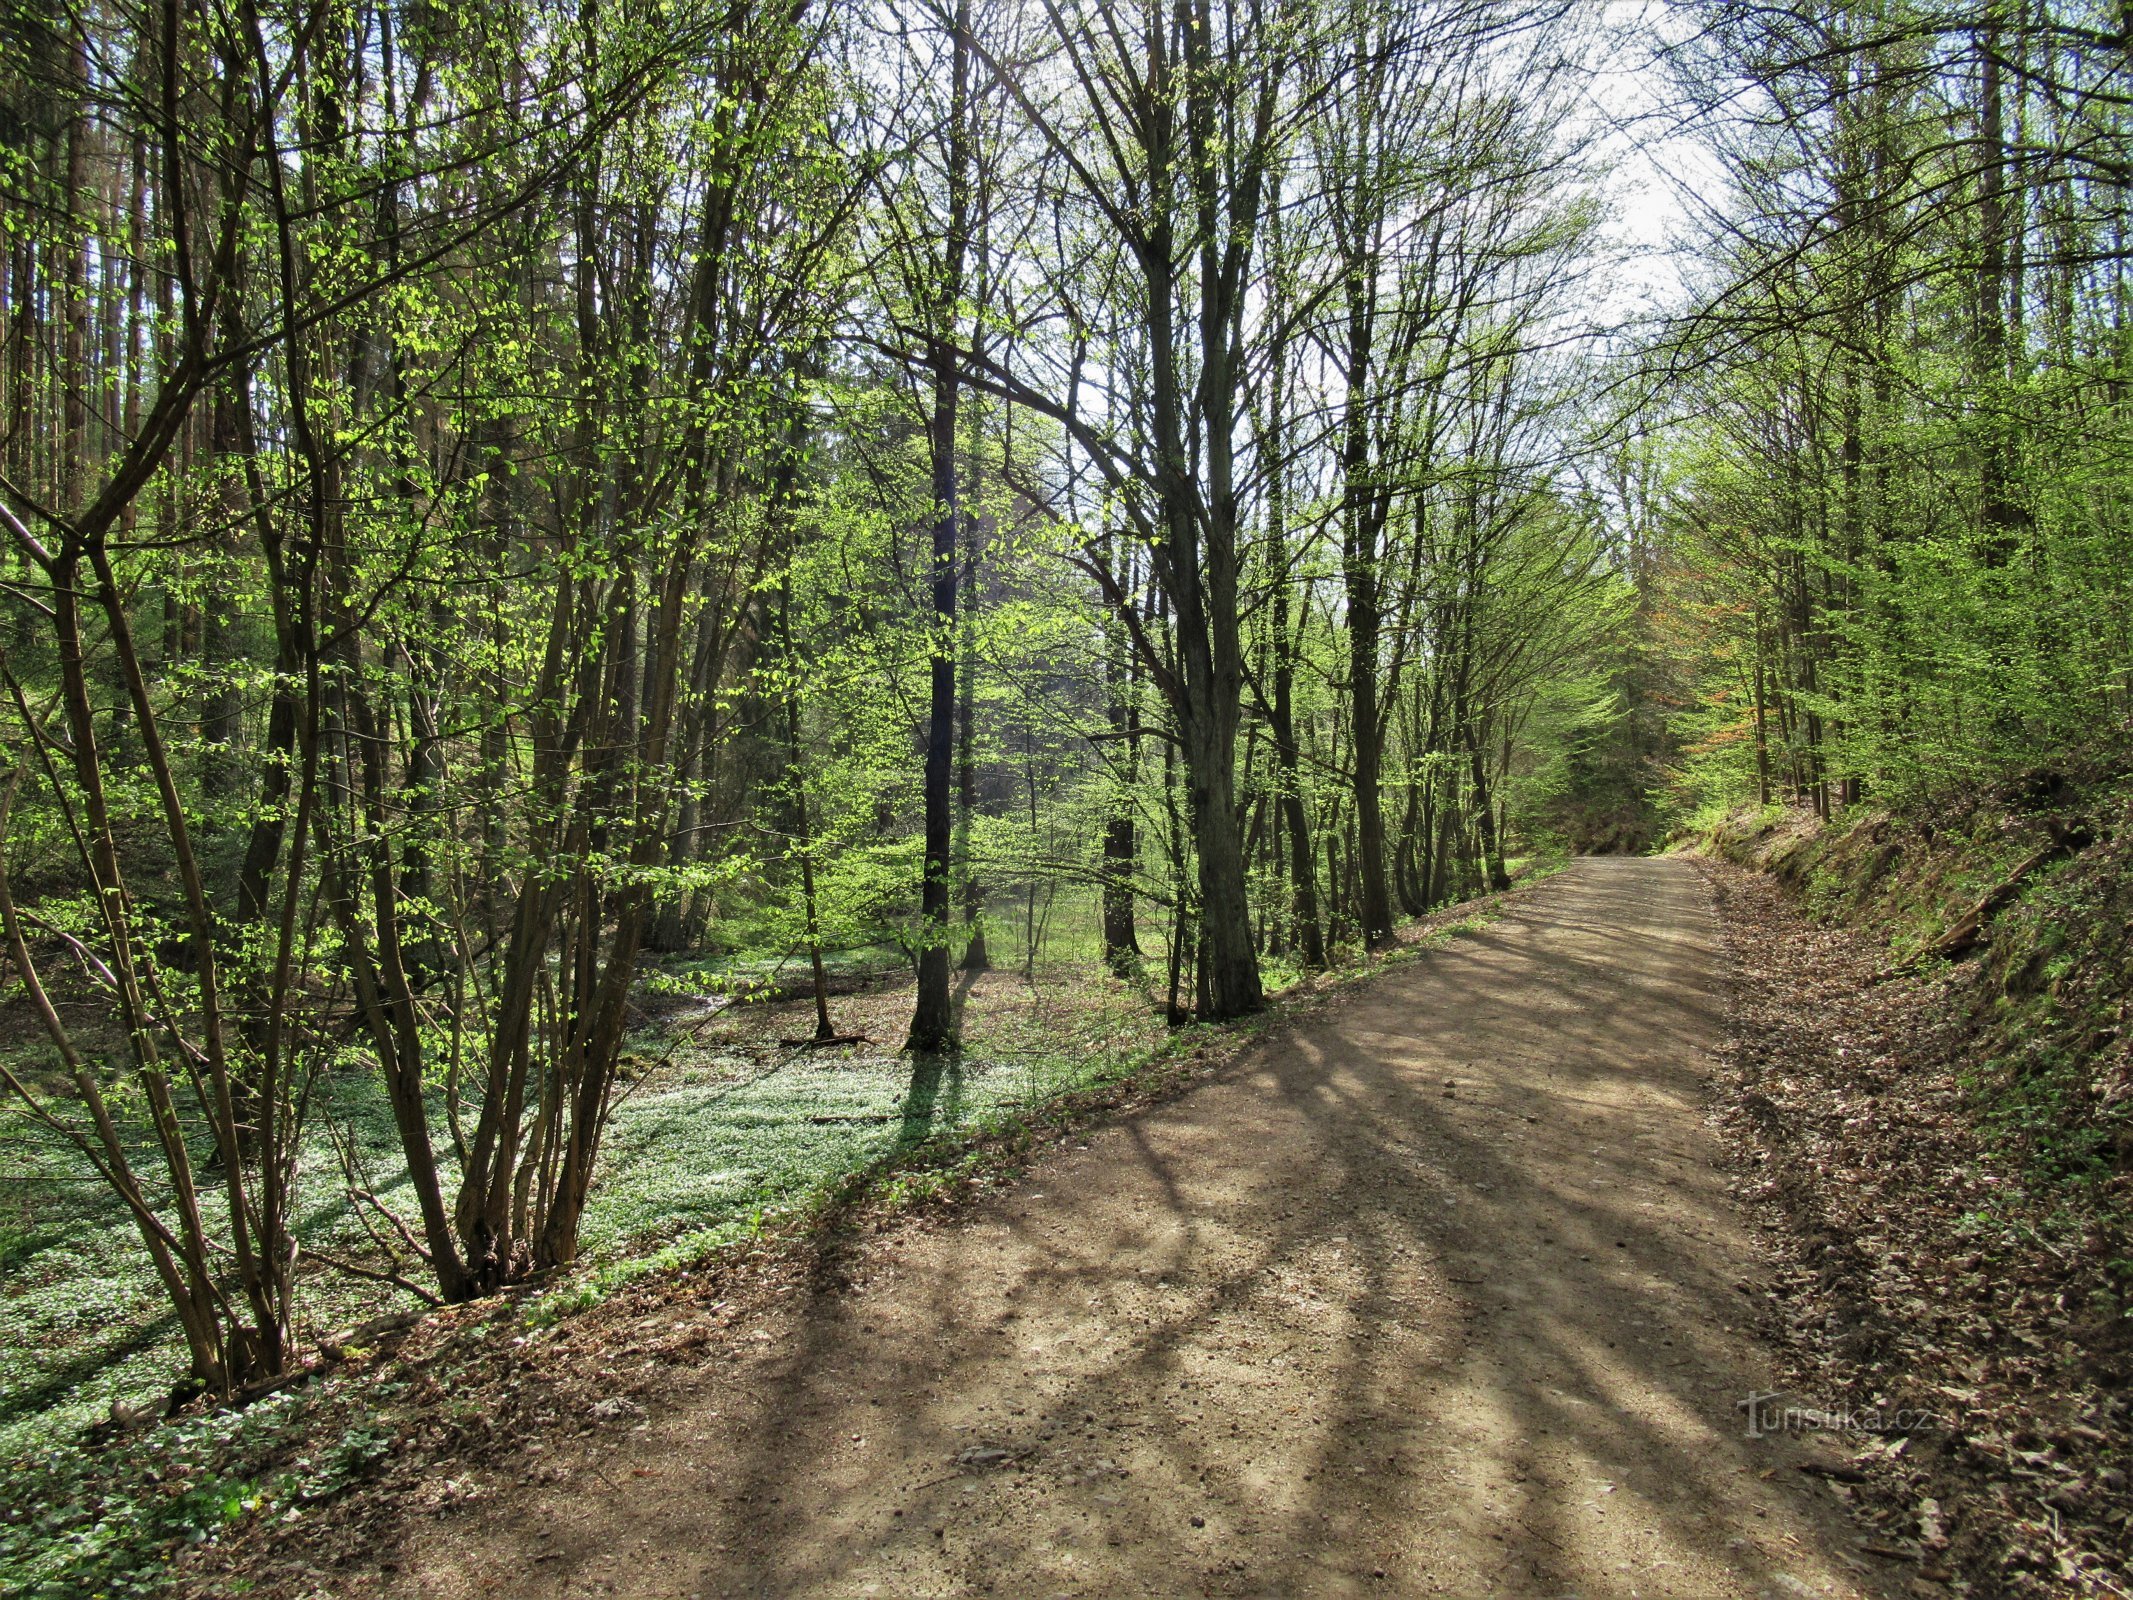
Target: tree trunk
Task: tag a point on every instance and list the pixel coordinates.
(932, 1019)
(1122, 947)
(975, 956)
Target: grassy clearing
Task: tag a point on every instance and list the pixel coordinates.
(731, 1125)
(717, 1124)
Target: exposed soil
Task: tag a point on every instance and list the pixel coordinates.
(1437, 1291)
(1922, 1267)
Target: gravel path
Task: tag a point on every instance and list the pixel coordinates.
(1438, 1291)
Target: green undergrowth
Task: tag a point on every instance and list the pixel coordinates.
(709, 1157)
(85, 1525)
(84, 1324)
(2045, 982)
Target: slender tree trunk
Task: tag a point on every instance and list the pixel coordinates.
(975, 956)
(803, 828)
(1122, 949)
(932, 1019)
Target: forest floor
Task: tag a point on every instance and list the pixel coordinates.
(1929, 1259)
(1437, 1289)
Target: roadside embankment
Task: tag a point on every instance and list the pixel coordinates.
(1929, 1092)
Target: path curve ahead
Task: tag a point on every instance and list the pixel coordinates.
(1434, 1292)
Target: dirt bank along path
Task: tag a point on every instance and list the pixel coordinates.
(1437, 1292)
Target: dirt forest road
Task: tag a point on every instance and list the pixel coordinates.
(1432, 1292)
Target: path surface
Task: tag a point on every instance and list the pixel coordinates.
(1432, 1293)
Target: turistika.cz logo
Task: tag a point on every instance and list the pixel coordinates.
(1770, 1412)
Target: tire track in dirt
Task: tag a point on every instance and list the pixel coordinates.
(1433, 1292)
